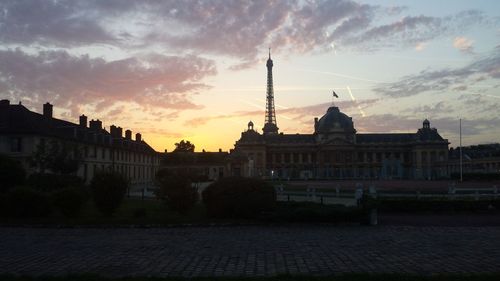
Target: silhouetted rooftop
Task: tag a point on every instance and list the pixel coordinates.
(17, 119)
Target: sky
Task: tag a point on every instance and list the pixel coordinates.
(195, 70)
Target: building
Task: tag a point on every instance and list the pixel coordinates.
(482, 158)
(335, 150)
(207, 166)
(24, 132)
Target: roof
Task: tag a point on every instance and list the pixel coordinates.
(428, 134)
(17, 119)
(334, 120)
(194, 158)
(289, 138)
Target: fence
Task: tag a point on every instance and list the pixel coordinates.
(349, 196)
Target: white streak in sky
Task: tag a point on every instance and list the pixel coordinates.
(354, 100)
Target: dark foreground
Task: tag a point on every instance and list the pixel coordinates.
(250, 250)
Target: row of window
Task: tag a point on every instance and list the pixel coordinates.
(120, 155)
(129, 171)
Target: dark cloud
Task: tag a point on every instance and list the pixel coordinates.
(303, 115)
(447, 126)
(239, 29)
(49, 22)
(72, 81)
(432, 110)
(445, 79)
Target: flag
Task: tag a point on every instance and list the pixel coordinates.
(335, 94)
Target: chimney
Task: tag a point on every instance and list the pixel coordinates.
(315, 123)
(95, 124)
(83, 121)
(138, 137)
(112, 130)
(128, 134)
(220, 150)
(119, 132)
(47, 110)
(4, 103)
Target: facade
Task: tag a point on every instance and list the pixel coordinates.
(208, 166)
(482, 158)
(336, 151)
(23, 132)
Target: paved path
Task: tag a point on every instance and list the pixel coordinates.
(250, 250)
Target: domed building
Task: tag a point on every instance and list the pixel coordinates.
(335, 150)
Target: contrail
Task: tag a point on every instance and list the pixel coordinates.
(275, 104)
(354, 100)
(252, 104)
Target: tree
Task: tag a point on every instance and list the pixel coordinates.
(184, 146)
(108, 190)
(176, 190)
(58, 157)
(11, 173)
(236, 197)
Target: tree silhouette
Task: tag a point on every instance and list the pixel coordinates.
(184, 146)
(58, 157)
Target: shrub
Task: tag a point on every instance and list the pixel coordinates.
(314, 212)
(140, 213)
(52, 182)
(12, 173)
(108, 190)
(69, 201)
(23, 202)
(176, 191)
(237, 197)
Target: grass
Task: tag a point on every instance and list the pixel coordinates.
(131, 212)
(342, 277)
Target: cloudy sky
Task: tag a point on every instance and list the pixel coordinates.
(196, 70)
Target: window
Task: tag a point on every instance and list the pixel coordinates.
(360, 157)
(16, 144)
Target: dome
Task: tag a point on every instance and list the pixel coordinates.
(334, 121)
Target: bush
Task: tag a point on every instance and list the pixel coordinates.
(237, 197)
(140, 212)
(69, 201)
(23, 202)
(108, 190)
(476, 176)
(12, 173)
(53, 182)
(314, 212)
(176, 191)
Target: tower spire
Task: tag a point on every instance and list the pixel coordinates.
(270, 126)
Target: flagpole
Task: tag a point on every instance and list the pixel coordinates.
(461, 170)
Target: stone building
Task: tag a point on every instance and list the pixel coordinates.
(206, 166)
(481, 158)
(335, 150)
(22, 132)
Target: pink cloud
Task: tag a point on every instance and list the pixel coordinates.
(463, 44)
(151, 81)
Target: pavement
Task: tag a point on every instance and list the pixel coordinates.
(250, 250)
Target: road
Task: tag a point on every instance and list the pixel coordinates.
(249, 250)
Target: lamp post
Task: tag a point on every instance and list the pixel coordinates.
(461, 169)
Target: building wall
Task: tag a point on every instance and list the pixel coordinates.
(139, 167)
(381, 161)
